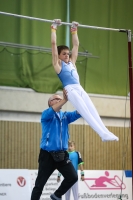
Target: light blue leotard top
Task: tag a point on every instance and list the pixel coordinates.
(68, 74)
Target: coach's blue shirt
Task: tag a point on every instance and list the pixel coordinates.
(55, 133)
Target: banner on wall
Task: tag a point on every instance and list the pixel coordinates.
(98, 184)
(14, 184)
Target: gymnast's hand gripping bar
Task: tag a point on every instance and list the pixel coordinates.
(64, 23)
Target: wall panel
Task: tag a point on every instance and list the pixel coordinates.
(19, 146)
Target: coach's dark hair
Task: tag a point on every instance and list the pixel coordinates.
(62, 47)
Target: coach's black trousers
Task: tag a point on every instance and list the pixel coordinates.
(46, 167)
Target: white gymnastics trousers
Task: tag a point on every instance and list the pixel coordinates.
(83, 104)
(74, 189)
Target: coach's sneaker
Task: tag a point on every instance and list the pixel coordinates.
(53, 197)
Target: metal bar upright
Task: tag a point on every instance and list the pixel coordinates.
(131, 93)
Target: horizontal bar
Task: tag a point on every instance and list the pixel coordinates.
(41, 49)
(64, 23)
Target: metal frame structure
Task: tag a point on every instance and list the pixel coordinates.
(129, 35)
(41, 49)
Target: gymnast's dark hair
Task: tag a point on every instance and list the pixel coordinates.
(61, 47)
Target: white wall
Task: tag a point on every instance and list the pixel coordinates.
(20, 104)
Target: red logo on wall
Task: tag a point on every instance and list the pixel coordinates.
(21, 181)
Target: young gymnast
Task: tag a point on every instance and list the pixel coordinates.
(67, 73)
(77, 162)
